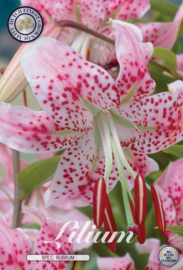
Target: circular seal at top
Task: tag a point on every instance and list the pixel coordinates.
(168, 256)
(25, 24)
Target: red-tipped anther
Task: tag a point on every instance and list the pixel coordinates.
(133, 211)
(128, 266)
(146, 268)
(140, 197)
(141, 236)
(158, 207)
(99, 201)
(109, 225)
(2, 70)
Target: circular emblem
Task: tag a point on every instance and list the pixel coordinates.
(25, 24)
(168, 256)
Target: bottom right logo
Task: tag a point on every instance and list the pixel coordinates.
(168, 256)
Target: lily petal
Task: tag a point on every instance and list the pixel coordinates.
(133, 55)
(162, 34)
(14, 247)
(151, 246)
(158, 120)
(51, 80)
(13, 80)
(125, 263)
(92, 13)
(48, 232)
(171, 181)
(29, 131)
(180, 64)
(80, 166)
(127, 9)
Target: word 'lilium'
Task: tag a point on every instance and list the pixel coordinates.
(104, 124)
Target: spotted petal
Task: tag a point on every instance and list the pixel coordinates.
(158, 120)
(58, 90)
(151, 246)
(133, 55)
(125, 263)
(127, 9)
(75, 176)
(171, 180)
(139, 162)
(48, 232)
(92, 13)
(30, 131)
(14, 246)
(162, 34)
(58, 10)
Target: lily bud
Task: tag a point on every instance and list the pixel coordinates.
(109, 224)
(140, 197)
(99, 199)
(158, 207)
(13, 80)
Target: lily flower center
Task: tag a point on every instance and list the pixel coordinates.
(81, 44)
(109, 139)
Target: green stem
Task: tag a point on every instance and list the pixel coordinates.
(75, 25)
(17, 190)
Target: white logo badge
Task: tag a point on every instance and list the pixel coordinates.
(25, 24)
(168, 256)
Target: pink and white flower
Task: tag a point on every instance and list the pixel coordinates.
(103, 123)
(162, 34)
(125, 263)
(14, 246)
(95, 15)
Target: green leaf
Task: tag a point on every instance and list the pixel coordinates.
(156, 72)
(36, 174)
(176, 229)
(168, 57)
(164, 7)
(176, 150)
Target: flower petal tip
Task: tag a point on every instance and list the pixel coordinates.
(134, 28)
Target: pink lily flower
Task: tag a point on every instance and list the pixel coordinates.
(123, 263)
(180, 64)
(162, 34)
(48, 232)
(14, 246)
(171, 182)
(120, 113)
(95, 15)
(65, 212)
(13, 253)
